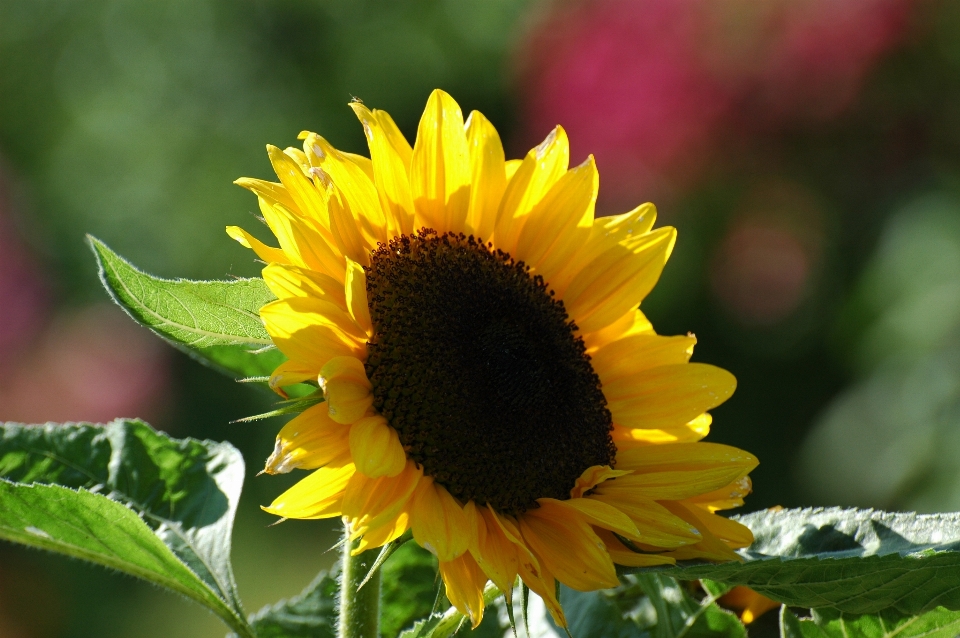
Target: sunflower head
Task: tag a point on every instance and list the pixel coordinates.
(490, 381)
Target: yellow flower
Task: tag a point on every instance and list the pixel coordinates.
(490, 382)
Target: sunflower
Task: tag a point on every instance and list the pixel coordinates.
(489, 380)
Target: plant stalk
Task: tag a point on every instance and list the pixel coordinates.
(359, 607)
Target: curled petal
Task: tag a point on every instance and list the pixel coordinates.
(438, 521)
(356, 295)
(464, 582)
(346, 388)
(594, 476)
(320, 495)
(268, 254)
(309, 441)
(569, 547)
(376, 447)
(369, 503)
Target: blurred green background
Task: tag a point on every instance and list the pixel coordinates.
(807, 150)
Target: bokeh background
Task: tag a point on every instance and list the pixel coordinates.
(807, 150)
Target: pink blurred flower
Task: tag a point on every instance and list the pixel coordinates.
(23, 291)
(651, 86)
(764, 266)
(92, 365)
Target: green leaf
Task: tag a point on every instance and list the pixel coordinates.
(447, 623)
(312, 614)
(856, 561)
(409, 588)
(184, 491)
(217, 322)
(938, 623)
(648, 605)
(789, 624)
(94, 528)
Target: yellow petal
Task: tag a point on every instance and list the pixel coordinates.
(320, 495)
(727, 497)
(267, 190)
(304, 242)
(629, 356)
(494, 552)
(306, 337)
(365, 164)
(668, 396)
(534, 177)
(732, 533)
(370, 503)
(268, 254)
(622, 555)
(510, 168)
(395, 137)
(327, 313)
(299, 157)
(633, 322)
(566, 544)
(464, 582)
(346, 388)
(683, 456)
(710, 547)
(601, 515)
(440, 167)
(560, 223)
(391, 158)
(347, 231)
(376, 447)
(593, 476)
(657, 525)
(633, 223)
(541, 582)
(383, 534)
(308, 200)
(287, 281)
(489, 175)
(673, 485)
(438, 522)
(290, 373)
(690, 432)
(606, 233)
(310, 440)
(351, 180)
(617, 281)
(510, 529)
(356, 296)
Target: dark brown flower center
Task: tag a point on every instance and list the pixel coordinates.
(481, 372)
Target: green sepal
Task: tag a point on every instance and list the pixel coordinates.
(385, 552)
(289, 406)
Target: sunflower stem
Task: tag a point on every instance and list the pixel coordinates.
(359, 606)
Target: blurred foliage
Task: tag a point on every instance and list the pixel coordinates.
(893, 439)
(129, 119)
(897, 142)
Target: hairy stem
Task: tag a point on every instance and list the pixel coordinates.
(359, 606)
